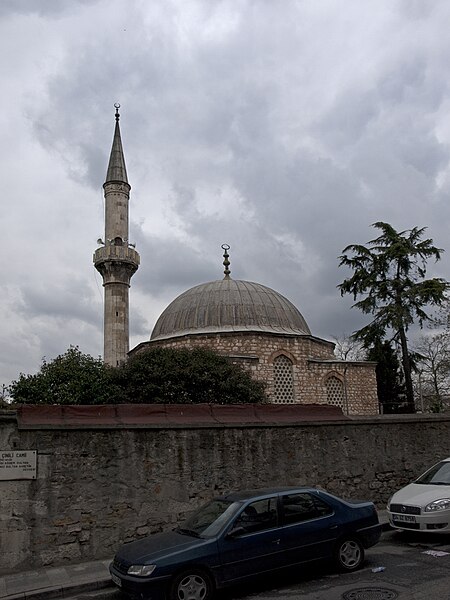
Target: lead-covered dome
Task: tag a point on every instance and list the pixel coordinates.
(229, 305)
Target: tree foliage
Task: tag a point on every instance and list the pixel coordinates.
(187, 377)
(389, 278)
(348, 349)
(390, 384)
(155, 376)
(71, 378)
(433, 370)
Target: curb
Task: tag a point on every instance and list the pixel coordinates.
(62, 591)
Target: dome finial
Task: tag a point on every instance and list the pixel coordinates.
(117, 106)
(226, 262)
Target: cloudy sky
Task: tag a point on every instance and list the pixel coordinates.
(281, 127)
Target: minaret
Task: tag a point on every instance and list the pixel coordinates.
(116, 260)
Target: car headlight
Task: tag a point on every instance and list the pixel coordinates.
(389, 503)
(443, 504)
(141, 570)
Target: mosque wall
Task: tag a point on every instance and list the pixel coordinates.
(98, 487)
(361, 386)
(313, 363)
(358, 386)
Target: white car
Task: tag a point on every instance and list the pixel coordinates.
(424, 505)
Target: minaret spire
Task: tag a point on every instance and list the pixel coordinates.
(117, 170)
(116, 260)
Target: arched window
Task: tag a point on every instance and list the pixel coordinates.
(335, 391)
(283, 380)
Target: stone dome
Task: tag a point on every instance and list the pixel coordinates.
(229, 305)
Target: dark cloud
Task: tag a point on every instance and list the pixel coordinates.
(72, 301)
(43, 8)
(282, 128)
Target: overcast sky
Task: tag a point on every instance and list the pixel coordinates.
(284, 128)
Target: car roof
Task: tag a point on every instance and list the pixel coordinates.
(441, 461)
(243, 495)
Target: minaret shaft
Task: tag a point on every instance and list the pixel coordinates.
(116, 323)
(117, 197)
(116, 261)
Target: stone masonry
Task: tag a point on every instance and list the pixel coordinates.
(97, 487)
(313, 363)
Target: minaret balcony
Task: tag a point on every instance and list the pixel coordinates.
(114, 253)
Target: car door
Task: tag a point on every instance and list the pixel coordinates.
(252, 544)
(310, 527)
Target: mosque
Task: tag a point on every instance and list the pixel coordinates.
(250, 323)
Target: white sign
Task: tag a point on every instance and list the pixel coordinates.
(17, 464)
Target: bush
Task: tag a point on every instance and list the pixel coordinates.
(71, 378)
(186, 376)
(160, 375)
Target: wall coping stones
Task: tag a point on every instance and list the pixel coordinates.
(176, 416)
(337, 361)
(125, 416)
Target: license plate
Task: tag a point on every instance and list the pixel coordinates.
(404, 518)
(116, 580)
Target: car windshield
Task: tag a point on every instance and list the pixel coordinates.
(208, 520)
(437, 475)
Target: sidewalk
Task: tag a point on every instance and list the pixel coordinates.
(63, 582)
(56, 582)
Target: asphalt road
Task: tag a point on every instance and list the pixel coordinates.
(409, 574)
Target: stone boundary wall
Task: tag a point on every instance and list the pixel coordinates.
(96, 488)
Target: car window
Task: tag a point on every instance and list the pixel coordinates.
(258, 516)
(209, 519)
(439, 474)
(322, 507)
(303, 507)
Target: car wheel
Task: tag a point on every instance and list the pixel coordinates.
(349, 554)
(191, 584)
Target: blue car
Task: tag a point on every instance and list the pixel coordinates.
(242, 535)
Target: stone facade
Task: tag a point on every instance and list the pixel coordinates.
(98, 487)
(309, 373)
